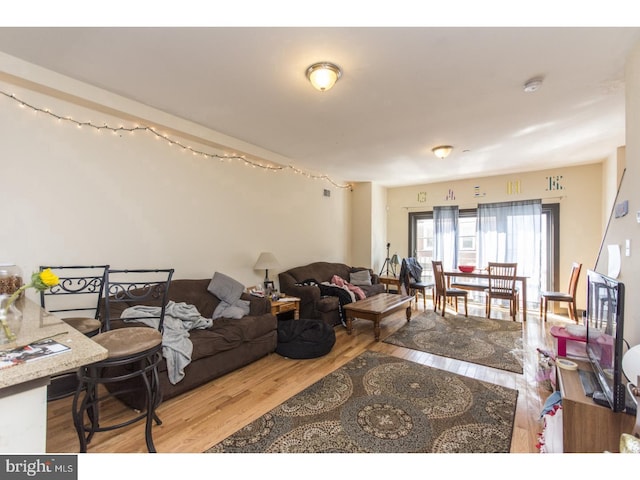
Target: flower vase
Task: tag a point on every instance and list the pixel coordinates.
(10, 321)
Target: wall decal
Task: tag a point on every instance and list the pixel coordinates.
(450, 195)
(554, 183)
(422, 197)
(476, 192)
(513, 187)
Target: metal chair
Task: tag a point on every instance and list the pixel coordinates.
(131, 367)
(76, 300)
(502, 285)
(442, 293)
(569, 297)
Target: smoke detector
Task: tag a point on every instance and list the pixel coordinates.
(533, 84)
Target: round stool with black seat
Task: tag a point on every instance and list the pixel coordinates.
(305, 338)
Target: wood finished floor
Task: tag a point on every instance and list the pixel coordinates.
(199, 419)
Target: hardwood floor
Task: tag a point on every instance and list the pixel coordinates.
(199, 419)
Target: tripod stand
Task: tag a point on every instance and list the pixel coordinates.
(389, 262)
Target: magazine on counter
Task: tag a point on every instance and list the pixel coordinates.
(34, 351)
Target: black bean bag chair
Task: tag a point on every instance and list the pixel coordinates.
(304, 338)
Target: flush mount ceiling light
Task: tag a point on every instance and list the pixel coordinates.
(533, 84)
(442, 151)
(323, 75)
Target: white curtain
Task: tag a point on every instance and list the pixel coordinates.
(445, 236)
(511, 232)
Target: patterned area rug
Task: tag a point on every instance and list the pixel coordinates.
(484, 341)
(377, 403)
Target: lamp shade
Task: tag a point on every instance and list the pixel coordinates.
(266, 261)
(323, 75)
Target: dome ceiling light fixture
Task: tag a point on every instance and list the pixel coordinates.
(323, 75)
(532, 84)
(442, 151)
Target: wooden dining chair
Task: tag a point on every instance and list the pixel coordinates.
(502, 285)
(442, 293)
(568, 297)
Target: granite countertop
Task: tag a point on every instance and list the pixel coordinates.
(38, 324)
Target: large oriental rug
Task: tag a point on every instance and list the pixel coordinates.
(484, 341)
(382, 404)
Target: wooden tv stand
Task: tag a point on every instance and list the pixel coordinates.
(586, 426)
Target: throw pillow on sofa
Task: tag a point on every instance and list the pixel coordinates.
(237, 310)
(361, 277)
(225, 288)
(229, 292)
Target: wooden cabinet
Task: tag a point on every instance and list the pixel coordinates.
(586, 426)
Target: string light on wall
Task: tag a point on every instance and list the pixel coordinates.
(172, 142)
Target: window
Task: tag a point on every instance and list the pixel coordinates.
(421, 242)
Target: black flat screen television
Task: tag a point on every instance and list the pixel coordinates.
(605, 342)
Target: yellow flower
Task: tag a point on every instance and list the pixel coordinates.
(44, 279)
(41, 281)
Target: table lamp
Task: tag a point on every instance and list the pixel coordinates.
(266, 261)
(394, 264)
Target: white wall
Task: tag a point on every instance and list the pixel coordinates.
(361, 218)
(369, 225)
(78, 196)
(627, 228)
(379, 228)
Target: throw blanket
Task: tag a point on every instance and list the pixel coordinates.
(179, 318)
(341, 282)
(344, 297)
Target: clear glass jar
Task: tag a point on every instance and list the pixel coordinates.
(10, 321)
(10, 278)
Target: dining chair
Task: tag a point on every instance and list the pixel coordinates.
(411, 278)
(443, 294)
(76, 301)
(569, 297)
(502, 285)
(134, 352)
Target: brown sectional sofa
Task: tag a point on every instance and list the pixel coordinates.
(226, 346)
(312, 303)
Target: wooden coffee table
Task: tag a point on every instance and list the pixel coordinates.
(377, 308)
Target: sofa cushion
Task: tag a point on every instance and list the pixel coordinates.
(327, 304)
(371, 290)
(227, 333)
(226, 288)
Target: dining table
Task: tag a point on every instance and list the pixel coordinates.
(484, 275)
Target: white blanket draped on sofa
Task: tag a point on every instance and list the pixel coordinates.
(179, 318)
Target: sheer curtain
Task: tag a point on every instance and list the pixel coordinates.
(445, 236)
(511, 232)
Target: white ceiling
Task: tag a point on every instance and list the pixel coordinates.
(403, 91)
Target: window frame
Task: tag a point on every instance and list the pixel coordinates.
(550, 214)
